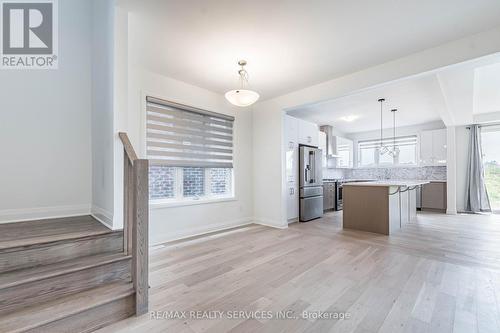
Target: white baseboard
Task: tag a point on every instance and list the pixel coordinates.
(102, 215)
(270, 223)
(188, 233)
(42, 213)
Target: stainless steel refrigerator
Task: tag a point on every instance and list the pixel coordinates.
(310, 183)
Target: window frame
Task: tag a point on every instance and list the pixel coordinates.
(376, 153)
(178, 200)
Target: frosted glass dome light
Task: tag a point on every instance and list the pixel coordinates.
(242, 97)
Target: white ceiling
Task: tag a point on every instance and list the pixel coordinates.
(453, 94)
(417, 100)
(293, 44)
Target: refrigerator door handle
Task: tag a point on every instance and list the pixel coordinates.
(312, 166)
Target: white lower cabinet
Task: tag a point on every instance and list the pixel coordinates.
(292, 202)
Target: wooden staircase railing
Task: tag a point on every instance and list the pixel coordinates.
(136, 219)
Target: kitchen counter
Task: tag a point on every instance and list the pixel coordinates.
(382, 206)
(405, 183)
(348, 180)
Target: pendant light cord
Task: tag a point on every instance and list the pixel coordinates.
(243, 76)
(381, 124)
(394, 130)
(395, 149)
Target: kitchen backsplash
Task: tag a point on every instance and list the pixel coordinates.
(334, 173)
(421, 173)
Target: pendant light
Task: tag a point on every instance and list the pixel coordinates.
(242, 97)
(383, 149)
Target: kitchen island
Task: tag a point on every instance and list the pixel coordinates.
(380, 206)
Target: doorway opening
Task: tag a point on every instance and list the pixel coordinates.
(490, 137)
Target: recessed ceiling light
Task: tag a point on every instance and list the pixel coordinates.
(349, 118)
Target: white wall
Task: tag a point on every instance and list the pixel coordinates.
(268, 165)
(45, 128)
(102, 126)
(451, 170)
(120, 105)
(462, 145)
(177, 222)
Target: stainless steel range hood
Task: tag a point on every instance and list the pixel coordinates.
(331, 141)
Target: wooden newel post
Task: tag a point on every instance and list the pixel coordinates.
(140, 235)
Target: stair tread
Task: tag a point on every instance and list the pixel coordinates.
(41, 314)
(28, 233)
(21, 276)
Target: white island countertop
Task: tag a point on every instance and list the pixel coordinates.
(388, 183)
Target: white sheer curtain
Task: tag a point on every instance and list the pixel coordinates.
(476, 199)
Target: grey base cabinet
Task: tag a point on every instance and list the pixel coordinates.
(434, 196)
(328, 196)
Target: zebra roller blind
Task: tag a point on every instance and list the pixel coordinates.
(181, 136)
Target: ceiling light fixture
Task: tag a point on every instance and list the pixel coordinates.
(242, 97)
(349, 118)
(383, 149)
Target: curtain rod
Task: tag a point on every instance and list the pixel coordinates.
(486, 125)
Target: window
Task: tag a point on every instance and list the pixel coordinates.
(161, 182)
(368, 152)
(190, 152)
(344, 151)
(490, 136)
(177, 184)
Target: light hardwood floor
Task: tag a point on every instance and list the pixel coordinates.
(439, 274)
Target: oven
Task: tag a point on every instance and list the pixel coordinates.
(339, 185)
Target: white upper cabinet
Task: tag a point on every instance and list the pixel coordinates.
(308, 133)
(433, 147)
(439, 141)
(345, 153)
(426, 154)
(291, 148)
